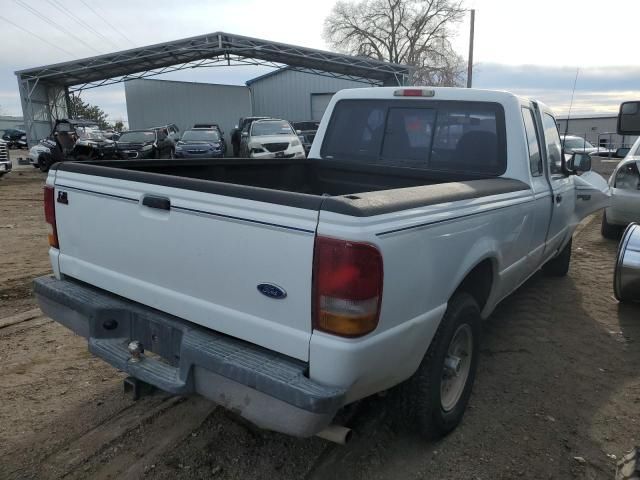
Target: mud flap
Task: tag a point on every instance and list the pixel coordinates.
(592, 194)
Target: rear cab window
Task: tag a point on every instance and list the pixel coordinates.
(448, 136)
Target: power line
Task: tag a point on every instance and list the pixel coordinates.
(37, 36)
(55, 4)
(117, 30)
(54, 24)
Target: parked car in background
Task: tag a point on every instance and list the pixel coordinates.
(306, 132)
(625, 195)
(151, 143)
(270, 138)
(200, 143)
(71, 139)
(5, 161)
(15, 138)
(574, 144)
(236, 133)
(215, 126)
(171, 131)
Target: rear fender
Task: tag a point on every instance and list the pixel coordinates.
(483, 249)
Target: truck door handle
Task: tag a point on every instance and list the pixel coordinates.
(161, 203)
(558, 198)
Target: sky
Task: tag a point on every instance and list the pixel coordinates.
(532, 48)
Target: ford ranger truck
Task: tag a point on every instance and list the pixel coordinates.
(285, 289)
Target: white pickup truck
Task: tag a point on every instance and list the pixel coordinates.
(285, 289)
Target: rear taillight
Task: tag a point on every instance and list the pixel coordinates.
(50, 214)
(347, 287)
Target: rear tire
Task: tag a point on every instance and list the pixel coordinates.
(558, 266)
(44, 163)
(612, 232)
(438, 392)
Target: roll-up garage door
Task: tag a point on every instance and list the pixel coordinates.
(319, 103)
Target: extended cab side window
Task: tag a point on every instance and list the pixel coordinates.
(554, 147)
(533, 141)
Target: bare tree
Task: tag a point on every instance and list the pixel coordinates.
(413, 32)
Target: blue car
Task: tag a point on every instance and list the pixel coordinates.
(200, 143)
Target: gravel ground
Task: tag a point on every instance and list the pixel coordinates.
(557, 393)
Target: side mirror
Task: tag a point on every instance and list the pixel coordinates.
(579, 163)
(298, 132)
(621, 152)
(245, 134)
(629, 118)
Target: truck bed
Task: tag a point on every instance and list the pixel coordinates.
(343, 187)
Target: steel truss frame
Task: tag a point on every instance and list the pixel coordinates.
(55, 82)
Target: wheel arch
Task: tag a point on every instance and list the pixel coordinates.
(479, 280)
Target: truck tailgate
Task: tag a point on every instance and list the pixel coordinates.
(199, 256)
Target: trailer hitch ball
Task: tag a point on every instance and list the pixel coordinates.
(136, 350)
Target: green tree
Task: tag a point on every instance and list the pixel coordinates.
(84, 110)
(118, 126)
(412, 32)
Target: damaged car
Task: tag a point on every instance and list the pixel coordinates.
(72, 139)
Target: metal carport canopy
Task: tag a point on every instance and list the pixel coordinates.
(44, 90)
(214, 45)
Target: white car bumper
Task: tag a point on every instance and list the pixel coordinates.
(291, 152)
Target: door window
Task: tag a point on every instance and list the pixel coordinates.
(533, 141)
(554, 147)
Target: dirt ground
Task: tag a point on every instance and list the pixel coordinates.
(558, 379)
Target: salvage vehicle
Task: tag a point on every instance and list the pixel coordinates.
(270, 138)
(306, 132)
(625, 179)
(71, 139)
(370, 264)
(215, 126)
(171, 131)
(236, 133)
(15, 138)
(5, 161)
(200, 143)
(151, 143)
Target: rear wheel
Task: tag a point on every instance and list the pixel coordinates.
(44, 163)
(608, 230)
(558, 266)
(439, 391)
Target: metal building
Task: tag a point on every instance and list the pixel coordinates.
(159, 102)
(597, 129)
(296, 96)
(11, 122)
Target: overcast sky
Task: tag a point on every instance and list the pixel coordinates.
(531, 47)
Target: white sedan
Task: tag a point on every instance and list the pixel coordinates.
(625, 194)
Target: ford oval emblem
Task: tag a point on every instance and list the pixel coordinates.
(272, 291)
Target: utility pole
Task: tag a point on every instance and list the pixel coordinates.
(470, 61)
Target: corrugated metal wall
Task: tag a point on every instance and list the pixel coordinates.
(591, 128)
(11, 122)
(287, 93)
(159, 102)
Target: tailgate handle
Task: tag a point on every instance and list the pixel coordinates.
(161, 203)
